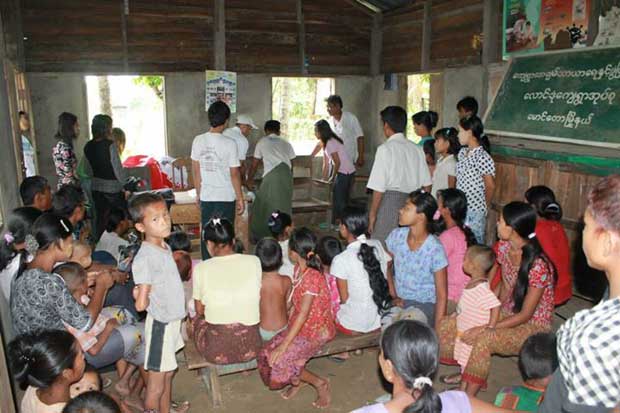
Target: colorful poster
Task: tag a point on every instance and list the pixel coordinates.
(521, 27)
(221, 86)
(564, 23)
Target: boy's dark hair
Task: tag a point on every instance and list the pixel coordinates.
(328, 248)
(179, 241)
(272, 126)
(218, 113)
(72, 273)
(115, 217)
(538, 357)
(67, 199)
(138, 203)
(468, 104)
(91, 369)
(395, 117)
(269, 253)
(101, 126)
(92, 402)
(483, 255)
(334, 100)
(30, 187)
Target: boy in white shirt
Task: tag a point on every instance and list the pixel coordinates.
(111, 239)
(216, 170)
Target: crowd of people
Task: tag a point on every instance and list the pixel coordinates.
(414, 265)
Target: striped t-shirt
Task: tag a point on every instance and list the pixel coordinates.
(473, 310)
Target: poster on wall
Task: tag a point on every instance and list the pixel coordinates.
(564, 23)
(222, 86)
(521, 27)
(609, 28)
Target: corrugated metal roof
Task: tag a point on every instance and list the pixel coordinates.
(384, 5)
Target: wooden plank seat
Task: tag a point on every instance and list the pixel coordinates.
(210, 373)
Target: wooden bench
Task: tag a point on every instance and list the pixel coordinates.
(210, 373)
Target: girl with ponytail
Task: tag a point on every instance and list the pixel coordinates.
(475, 173)
(282, 361)
(41, 300)
(447, 148)
(420, 263)
(46, 364)
(526, 294)
(552, 238)
(12, 245)
(423, 124)
(361, 276)
(409, 360)
(455, 240)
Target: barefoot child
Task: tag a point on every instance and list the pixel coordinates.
(478, 307)
(159, 291)
(282, 361)
(281, 226)
(273, 291)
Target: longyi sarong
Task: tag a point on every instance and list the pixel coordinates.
(387, 215)
(275, 193)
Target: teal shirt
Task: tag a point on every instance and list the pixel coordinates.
(424, 139)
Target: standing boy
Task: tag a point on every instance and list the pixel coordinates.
(159, 291)
(216, 170)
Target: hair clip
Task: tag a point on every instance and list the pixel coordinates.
(62, 222)
(553, 207)
(532, 235)
(310, 255)
(216, 221)
(275, 215)
(420, 382)
(362, 239)
(9, 238)
(436, 215)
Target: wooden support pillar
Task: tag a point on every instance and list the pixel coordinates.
(376, 44)
(124, 14)
(219, 38)
(490, 31)
(301, 38)
(425, 63)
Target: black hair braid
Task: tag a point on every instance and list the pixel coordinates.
(376, 278)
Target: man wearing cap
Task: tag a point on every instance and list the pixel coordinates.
(240, 134)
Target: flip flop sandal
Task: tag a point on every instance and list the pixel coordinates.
(451, 379)
(336, 359)
(176, 406)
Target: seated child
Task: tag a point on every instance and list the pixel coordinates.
(181, 247)
(90, 381)
(111, 239)
(538, 359)
(281, 226)
(93, 402)
(327, 249)
(35, 192)
(478, 307)
(274, 289)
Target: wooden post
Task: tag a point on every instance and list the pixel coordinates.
(376, 45)
(124, 13)
(219, 39)
(425, 62)
(490, 32)
(301, 41)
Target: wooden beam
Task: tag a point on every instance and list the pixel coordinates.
(376, 45)
(124, 13)
(361, 7)
(490, 32)
(219, 39)
(301, 42)
(425, 62)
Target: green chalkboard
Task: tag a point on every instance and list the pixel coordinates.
(568, 96)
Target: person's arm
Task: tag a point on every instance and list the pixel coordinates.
(451, 181)
(103, 337)
(532, 298)
(374, 209)
(102, 285)
(141, 295)
(489, 188)
(304, 311)
(200, 308)
(360, 152)
(494, 317)
(197, 179)
(251, 172)
(325, 168)
(343, 290)
(336, 160)
(316, 150)
(117, 166)
(235, 177)
(242, 171)
(441, 292)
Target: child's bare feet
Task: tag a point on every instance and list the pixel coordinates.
(179, 407)
(324, 395)
(122, 388)
(291, 391)
(134, 403)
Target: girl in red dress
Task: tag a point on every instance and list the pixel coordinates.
(552, 238)
(282, 361)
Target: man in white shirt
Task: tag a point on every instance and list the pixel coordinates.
(399, 169)
(215, 168)
(240, 134)
(276, 189)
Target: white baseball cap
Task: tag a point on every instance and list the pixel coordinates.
(246, 120)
